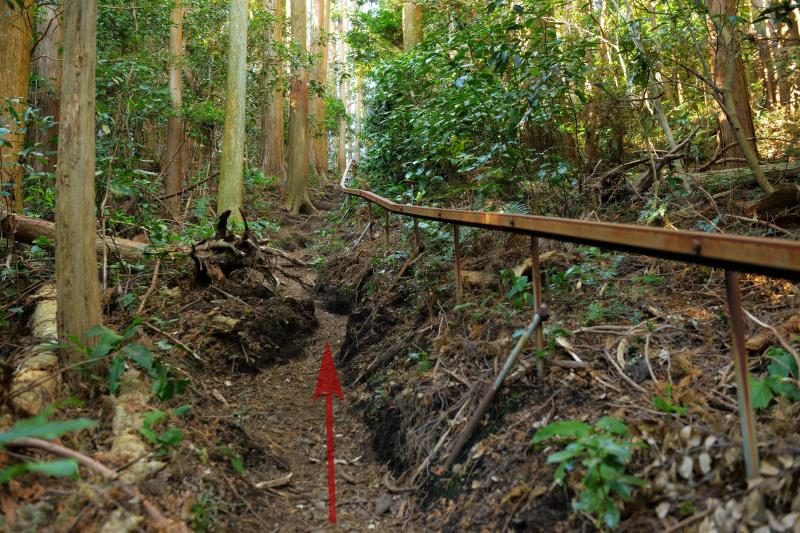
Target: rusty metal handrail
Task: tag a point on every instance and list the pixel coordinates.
(773, 257)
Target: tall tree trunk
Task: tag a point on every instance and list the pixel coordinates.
(76, 262)
(273, 160)
(315, 127)
(175, 138)
(412, 24)
(729, 75)
(342, 144)
(298, 198)
(765, 58)
(47, 68)
(357, 113)
(231, 180)
(15, 56)
(320, 140)
(735, 120)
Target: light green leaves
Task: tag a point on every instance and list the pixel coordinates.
(601, 453)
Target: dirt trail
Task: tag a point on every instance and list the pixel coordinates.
(275, 410)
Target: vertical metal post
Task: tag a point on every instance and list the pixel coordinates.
(418, 238)
(747, 418)
(536, 283)
(386, 217)
(369, 210)
(457, 242)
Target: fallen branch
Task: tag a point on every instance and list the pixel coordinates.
(25, 230)
(176, 341)
(150, 289)
(36, 381)
(159, 520)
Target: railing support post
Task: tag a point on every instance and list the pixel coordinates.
(386, 218)
(747, 419)
(459, 284)
(369, 210)
(536, 283)
(416, 233)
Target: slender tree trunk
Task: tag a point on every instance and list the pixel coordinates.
(175, 138)
(76, 262)
(320, 140)
(231, 180)
(47, 68)
(273, 161)
(342, 144)
(15, 56)
(729, 75)
(298, 198)
(765, 58)
(412, 24)
(735, 120)
(357, 113)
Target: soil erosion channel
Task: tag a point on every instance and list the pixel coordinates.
(276, 410)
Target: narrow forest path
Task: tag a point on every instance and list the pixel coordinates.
(275, 413)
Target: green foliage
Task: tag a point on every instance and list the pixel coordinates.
(235, 459)
(666, 404)
(170, 437)
(520, 290)
(601, 454)
(110, 343)
(422, 360)
(781, 380)
(41, 427)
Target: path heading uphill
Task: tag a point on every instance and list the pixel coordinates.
(275, 411)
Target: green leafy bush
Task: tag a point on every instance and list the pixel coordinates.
(600, 453)
(781, 379)
(41, 427)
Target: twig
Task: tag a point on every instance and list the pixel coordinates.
(190, 187)
(275, 483)
(150, 289)
(647, 359)
(56, 449)
(687, 521)
(281, 253)
(622, 373)
(176, 341)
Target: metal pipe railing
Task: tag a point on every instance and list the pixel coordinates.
(769, 256)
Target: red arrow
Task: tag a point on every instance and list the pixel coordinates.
(328, 385)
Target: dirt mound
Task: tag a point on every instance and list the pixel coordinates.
(247, 325)
(341, 283)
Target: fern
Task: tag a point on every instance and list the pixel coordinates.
(516, 208)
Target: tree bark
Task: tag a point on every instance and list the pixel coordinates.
(318, 149)
(412, 24)
(341, 158)
(357, 114)
(729, 76)
(76, 262)
(765, 58)
(175, 138)
(273, 159)
(735, 119)
(47, 68)
(231, 181)
(15, 54)
(298, 198)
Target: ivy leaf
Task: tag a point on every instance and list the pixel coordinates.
(761, 392)
(565, 428)
(115, 370)
(140, 355)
